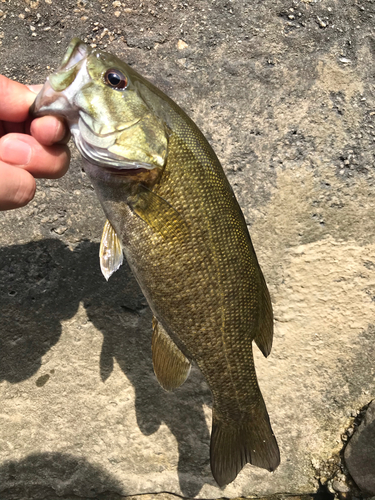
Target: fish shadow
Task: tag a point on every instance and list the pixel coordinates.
(42, 283)
(56, 475)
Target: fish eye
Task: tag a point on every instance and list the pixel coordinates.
(115, 79)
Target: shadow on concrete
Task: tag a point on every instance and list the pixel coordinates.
(55, 475)
(42, 283)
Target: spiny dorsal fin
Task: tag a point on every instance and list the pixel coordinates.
(157, 213)
(110, 253)
(171, 367)
(264, 335)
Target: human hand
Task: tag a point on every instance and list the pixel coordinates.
(28, 149)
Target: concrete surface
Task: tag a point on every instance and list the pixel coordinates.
(284, 91)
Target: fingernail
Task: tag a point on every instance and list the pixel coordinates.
(35, 88)
(15, 152)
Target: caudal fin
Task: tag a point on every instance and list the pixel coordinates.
(251, 440)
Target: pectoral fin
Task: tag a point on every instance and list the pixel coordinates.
(171, 367)
(157, 213)
(110, 253)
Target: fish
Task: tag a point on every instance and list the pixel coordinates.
(172, 212)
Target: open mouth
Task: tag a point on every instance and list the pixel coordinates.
(76, 51)
(93, 137)
(55, 98)
(102, 157)
(125, 172)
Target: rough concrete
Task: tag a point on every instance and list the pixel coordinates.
(284, 91)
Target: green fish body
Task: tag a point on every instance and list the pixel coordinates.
(172, 212)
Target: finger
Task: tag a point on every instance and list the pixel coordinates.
(16, 100)
(35, 88)
(49, 130)
(24, 151)
(17, 187)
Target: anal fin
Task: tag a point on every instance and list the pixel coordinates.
(110, 253)
(264, 335)
(171, 367)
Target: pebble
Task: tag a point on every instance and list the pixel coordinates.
(322, 24)
(181, 45)
(60, 230)
(340, 487)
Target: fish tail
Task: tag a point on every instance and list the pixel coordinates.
(233, 444)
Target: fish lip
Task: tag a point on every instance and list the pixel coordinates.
(42, 104)
(124, 172)
(104, 159)
(76, 52)
(80, 52)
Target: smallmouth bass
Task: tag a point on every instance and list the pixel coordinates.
(171, 211)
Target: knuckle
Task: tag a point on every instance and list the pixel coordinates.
(62, 164)
(25, 192)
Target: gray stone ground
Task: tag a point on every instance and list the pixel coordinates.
(285, 92)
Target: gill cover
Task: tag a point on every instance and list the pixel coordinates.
(110, 122)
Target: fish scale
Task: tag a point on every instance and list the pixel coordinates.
(185, 239)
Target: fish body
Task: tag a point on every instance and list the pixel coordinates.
(172, 212)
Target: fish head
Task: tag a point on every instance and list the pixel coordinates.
(99, 97)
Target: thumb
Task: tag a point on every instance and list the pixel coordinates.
(35, 88)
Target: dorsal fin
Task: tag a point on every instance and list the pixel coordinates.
(171, 367)
(110, 253)
(264, 335)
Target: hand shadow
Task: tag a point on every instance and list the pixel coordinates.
(55, 476)
(42, 283)
(39, 287)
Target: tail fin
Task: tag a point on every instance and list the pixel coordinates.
(250, 441)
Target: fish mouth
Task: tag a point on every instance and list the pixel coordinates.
(91, 138)
(55, 98)
(128, 172)
(76, 52)
(95, 149)
(96, 128)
